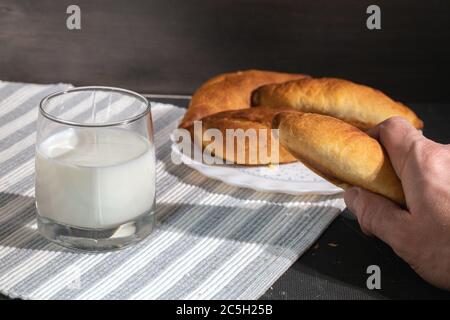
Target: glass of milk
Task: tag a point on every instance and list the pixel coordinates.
(95, 168)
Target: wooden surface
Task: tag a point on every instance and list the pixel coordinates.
(169, 46)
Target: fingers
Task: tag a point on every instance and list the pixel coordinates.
(379, 216)
(398, 137)
(374, 132)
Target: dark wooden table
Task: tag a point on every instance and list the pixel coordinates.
(335, 267)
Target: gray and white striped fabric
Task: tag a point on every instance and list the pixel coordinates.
(213, 241)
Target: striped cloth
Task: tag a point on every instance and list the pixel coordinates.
(213, 241)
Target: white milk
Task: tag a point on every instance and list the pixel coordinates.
(94, 178)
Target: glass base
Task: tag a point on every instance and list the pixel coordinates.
(97, 239)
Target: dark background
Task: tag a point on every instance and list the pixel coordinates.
(172, 46)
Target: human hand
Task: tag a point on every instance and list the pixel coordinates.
(420, 233)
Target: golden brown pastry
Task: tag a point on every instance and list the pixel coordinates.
(339, 152)
(254, 118)
(359, 105)
(230, 91)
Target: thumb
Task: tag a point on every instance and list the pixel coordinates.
(378, 216)
(398, 137)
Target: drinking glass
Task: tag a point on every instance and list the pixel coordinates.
(95, 168)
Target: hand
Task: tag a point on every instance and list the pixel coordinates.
(420, 233)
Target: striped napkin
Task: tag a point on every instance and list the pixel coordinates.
(213, 241)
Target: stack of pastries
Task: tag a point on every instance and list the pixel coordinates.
(320, 121)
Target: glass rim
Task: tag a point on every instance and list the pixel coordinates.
(93, 125)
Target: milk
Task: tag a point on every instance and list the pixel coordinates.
(94, 177)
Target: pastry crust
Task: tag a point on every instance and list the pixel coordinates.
(339, 152)
(230, 91)
(249, 154)
(359, 105)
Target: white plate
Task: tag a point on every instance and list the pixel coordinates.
(292, 178)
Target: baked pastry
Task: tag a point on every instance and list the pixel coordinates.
(263, 149)
(230, 91)
(357, 104)
(339, 152)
